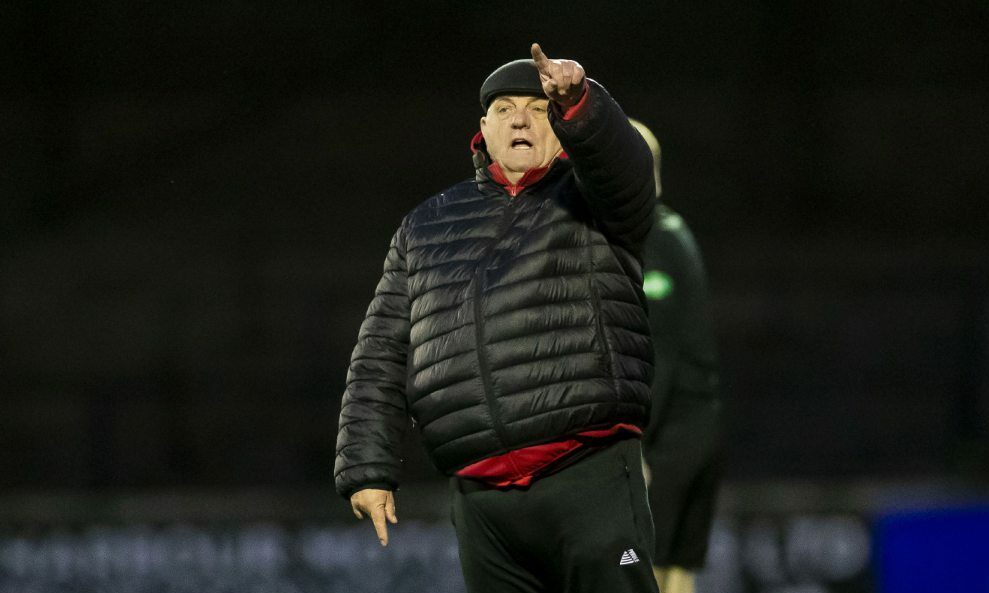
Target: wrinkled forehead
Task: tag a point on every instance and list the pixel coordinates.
(517, 100)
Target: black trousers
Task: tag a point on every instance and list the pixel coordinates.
(586, 527)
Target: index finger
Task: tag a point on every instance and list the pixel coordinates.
(539, 57)
(380, 526)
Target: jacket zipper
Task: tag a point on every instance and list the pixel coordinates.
(482, 361)
(598, 321)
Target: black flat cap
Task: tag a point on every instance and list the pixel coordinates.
(514, 78)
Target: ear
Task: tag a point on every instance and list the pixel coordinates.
(484, 123)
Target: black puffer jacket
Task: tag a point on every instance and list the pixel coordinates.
(505, 322)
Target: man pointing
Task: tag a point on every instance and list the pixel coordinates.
(510, 326)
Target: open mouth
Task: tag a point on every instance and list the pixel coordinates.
(521, 144)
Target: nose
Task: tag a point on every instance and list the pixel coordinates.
(520, 119)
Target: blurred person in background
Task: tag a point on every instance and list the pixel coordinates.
(511, 327)
(681, 446)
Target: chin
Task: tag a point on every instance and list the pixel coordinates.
(522, 165)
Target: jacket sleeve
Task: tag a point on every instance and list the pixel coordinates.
(613, 165)
(681, 323)
(373, 415)
(683, 444)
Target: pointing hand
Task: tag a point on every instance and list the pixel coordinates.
(379, 505)
(563, 80)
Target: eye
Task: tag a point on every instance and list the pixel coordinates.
(540, 109)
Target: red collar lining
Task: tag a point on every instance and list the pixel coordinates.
(531, 176)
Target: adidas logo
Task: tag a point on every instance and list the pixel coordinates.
(628, 557)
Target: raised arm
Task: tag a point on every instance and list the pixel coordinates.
(613, 163)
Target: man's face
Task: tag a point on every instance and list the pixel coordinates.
(518, 135)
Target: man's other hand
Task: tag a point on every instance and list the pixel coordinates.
(379, 505)
(563, 80)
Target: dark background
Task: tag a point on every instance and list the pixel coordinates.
(196, 202)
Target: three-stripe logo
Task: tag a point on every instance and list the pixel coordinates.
(628, 557)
